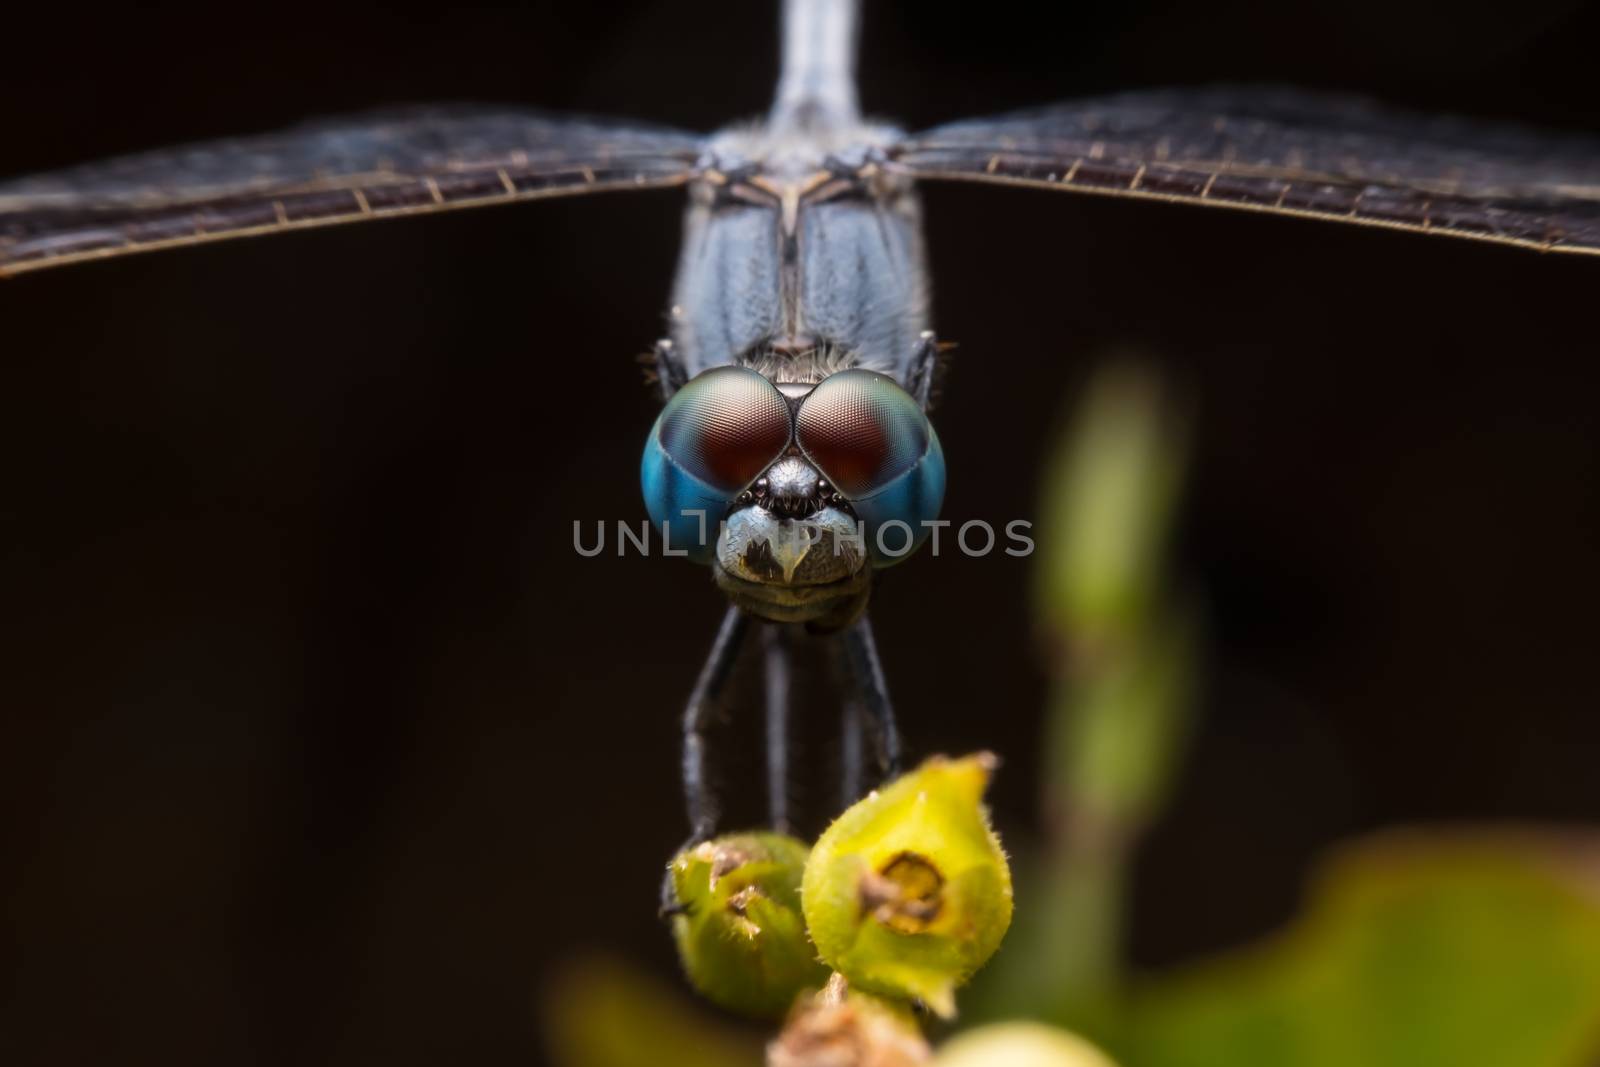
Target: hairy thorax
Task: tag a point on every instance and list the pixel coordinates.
(802, 255)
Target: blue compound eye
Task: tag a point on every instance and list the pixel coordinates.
(715, 436)
(873, 442)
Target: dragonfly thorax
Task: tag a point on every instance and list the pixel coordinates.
(800, 243)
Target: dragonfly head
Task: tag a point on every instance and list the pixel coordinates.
(791, 549)
(794, 492)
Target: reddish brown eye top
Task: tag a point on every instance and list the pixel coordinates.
(725, 426)
(861, 430)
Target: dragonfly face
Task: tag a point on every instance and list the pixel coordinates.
(793, 491)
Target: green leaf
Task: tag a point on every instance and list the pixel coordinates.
(1418, 950)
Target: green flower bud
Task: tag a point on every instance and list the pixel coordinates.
(740, 934)
(908, 893)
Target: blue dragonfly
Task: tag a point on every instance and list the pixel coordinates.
(793, 455)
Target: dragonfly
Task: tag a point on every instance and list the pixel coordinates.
(794, 455)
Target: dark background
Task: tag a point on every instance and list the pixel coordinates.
(319, 743)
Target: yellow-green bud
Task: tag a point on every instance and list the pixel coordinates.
(740, 934)
(908, 893)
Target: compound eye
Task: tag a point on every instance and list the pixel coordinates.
(862, 431)
(877, 447)
(715, 436)
(724, 427)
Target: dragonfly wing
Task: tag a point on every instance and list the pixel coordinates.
(1285, 152)
(332, 171)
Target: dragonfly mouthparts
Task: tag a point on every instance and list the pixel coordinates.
(792, 569)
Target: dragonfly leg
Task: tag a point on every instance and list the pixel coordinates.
(865, 677)
(777, 687)
(697, 714)
(702, 805)
(670, 374)
(850, 753)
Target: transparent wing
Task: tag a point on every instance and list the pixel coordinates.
(342, 170)
(1291, 153)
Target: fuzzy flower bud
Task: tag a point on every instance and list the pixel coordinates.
(740, 934)
(908, 893)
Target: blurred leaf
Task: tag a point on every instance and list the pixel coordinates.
(1125, 660)
(1113, 740)
(600, 1013)
(1109, 494)
(1117, 730)
(1418, 949)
